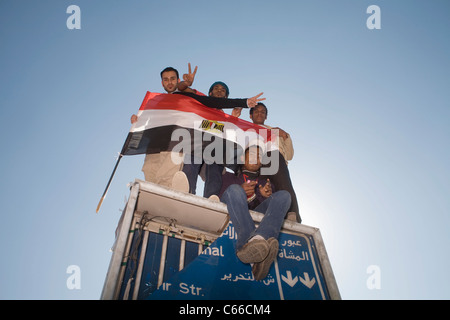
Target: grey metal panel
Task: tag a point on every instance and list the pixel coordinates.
(186, 209)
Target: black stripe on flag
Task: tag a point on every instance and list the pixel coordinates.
(212, 148)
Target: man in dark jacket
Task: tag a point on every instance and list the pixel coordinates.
(244, 191)
(217, 99)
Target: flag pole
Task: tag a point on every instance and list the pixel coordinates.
(124, 151)
(109, 182)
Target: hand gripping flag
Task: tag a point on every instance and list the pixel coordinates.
(180, 123)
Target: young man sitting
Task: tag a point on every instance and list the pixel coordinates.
(244, 191)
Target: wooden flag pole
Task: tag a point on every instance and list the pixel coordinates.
(109, 182)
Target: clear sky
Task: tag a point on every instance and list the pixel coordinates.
(368, 111)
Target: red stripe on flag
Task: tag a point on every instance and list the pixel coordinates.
(165, 101)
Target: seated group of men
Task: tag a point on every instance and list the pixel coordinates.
(273, 195)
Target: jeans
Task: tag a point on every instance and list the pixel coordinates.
(274, 209)
(213, 179)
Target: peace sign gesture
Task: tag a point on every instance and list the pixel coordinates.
(253, 101)
(189, 77)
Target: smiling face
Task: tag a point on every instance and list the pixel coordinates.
(169, 81)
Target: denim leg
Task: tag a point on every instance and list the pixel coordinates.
(236, 200)
(213, 180)
(191, 168)
(274, 209)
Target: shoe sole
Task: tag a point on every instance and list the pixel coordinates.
(254, 251)
(214, 198)
(260, 270)
(180, 182)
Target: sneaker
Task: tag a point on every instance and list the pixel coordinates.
(261, 269)
(180, 182)
(214, 198)
(254, 251)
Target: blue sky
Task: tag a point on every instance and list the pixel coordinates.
(368, 111)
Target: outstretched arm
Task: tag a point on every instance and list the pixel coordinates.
(223, 103)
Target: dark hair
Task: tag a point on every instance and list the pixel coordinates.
(238, 169)
(259, 104)
(170, 69)
(227, 91)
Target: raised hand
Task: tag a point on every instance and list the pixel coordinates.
(253, 101)
(190, 76)
(236, 112)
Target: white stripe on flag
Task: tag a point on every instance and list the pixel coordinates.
(149, 119)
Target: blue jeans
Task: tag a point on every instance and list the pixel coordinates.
(274, 209)
(213, 179)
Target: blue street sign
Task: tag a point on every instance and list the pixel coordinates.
(217, 273)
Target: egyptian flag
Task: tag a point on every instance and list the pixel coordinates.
(180, 123)
(177, 122)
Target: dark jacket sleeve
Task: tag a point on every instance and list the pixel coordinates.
(217, 103)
